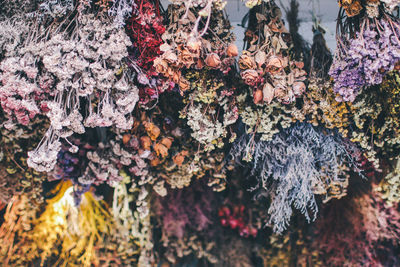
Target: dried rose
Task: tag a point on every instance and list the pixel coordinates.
(161, 66)
(232, 50)
(274, 65)
(246, 61)
(180, 157)
(176, 75)
(260, 58)
(250, 77)
(213, 60)
(187, 58)
(298, 88)
(193, 45)
(170, 56)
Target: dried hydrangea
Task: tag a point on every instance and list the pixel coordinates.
(297, 164)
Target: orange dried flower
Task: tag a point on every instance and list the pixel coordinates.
(258, 96)
(167, 141)
(213, 60)
(161, 150)
(152, 130)
(126, 138)
(232, 50)
(145, 142)
(183, 84)
(155, 162)
(180, 157)
(187, 58)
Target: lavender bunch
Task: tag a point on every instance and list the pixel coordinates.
(296, 164)
(366, 59)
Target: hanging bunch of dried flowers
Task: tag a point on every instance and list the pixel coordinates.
(368, 47)
(198, 56)
(16, 140)
(370, 223)
(67, 64)
(186, 223)
(88, 71)
(145, 28)
(267, 65)
(299, 163)
(63, 233)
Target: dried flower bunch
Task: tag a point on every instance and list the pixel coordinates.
(185, 218)
(370, 121)
(125, 118)
(161, 149)
(19, 219)
(198, 56)
(63, 70)
(196, 38)
(354, 231)
(367, 47)
(76, 230)
(297, 164)
(145, 28)
(17, 177)
(132, 236)
(267, 65)
(390, 185)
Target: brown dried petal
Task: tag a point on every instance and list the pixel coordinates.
(268, 93)
(258, 96)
